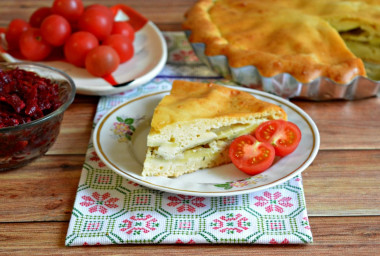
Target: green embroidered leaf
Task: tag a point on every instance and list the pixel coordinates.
(128, 121)
(121, 120)
(128, 136)
(132, 128)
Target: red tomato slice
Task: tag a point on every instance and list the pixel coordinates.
(284, 136)
(250, 155)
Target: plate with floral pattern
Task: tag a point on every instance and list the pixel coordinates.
(120, 142)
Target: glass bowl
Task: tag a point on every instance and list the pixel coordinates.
(23, 143)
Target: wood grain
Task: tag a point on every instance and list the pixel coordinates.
(343, 183)
(346, 124)
(332, 236)
(42, 191)
(76, 127)
(165, 14)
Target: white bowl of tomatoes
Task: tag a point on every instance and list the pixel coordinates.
(86, 36)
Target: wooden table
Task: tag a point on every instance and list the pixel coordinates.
(342, 186)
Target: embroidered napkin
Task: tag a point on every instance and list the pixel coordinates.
(110, 209)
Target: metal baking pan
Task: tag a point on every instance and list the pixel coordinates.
(285, 85)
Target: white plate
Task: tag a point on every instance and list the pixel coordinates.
(149, 59)
(126, 157)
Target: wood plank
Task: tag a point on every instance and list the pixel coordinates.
(76, 127)
(341, 123)
(42, 191)
(163, 11)
(342, 183)
(337, 183)
(347, 235)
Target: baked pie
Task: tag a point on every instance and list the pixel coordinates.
(193, 126)
(305, 38)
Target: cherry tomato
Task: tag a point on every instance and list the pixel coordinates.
(32, 46)
(283, 135)
(122, 46)
(250, 155)
(14, 31)
(97, 21)
(55, 30)
(102, 60)
(102, 8)
(70, 9)
(38, 16)
(78, 45)
(123, 28)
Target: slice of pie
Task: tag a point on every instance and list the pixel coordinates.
(193, 126)
(305, 38)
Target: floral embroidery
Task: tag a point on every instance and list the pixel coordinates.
(273, 241)
(186, 203)
(231, 223)
(139, 224)
(94, 157)
(179, 241)
(185, 55)
(86, 244)
(99, 202)
(305, 223)
(273, 202)
(133, 183)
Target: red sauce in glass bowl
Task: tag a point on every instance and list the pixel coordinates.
(33, 99)
(25, 96)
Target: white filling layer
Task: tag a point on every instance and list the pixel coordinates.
(171, 149)
(191, 160)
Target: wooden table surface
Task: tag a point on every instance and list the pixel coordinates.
(342, 185)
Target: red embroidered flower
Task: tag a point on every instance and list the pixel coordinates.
(99, 202)
(231, 223)
(179, 241)
(186, 203)
(138, 224)
(133, 183)
(273, 241)
(95, 158)
(273, 202)
(86, 244)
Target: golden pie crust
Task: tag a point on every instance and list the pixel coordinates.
(189, 101)
(305, 38)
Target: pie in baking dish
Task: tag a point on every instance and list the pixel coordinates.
(193, 126)
(305, 38)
